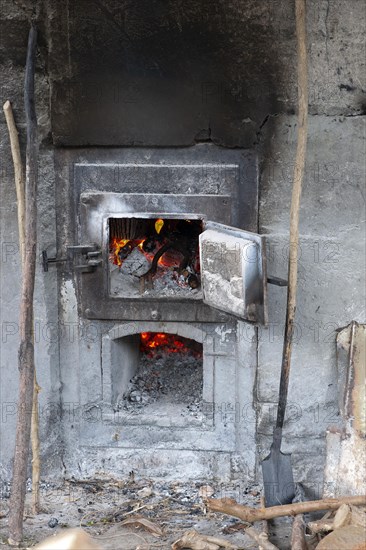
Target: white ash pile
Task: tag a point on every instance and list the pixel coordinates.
(170, 282)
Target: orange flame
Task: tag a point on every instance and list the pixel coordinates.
(170, 343)
(170, 259)
(116, 246)
(159, 225)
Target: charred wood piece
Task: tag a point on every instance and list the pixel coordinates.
(170, 245)
(149, 244)
(126, 250)
(193, 281)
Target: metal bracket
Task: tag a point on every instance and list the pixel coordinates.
(90, 258)
(277, 281)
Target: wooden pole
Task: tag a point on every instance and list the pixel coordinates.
(26, 347)
(265, 526)
(276, 468)
(246, 513)
(20, 192)
(18, 174)
(302, 133)
(298, 540)
(36, 453)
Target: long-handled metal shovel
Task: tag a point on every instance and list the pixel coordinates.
(278, 479)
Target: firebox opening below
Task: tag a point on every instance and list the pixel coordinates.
(160, 379)
(150, 257)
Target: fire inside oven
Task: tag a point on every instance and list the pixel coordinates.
(154, 257)
(165, 376)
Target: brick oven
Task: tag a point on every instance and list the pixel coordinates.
(162, 244)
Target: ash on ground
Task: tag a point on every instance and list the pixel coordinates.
(101, 503)
(166, 383)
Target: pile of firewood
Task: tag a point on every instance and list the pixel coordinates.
(345, 521)
(344, 528)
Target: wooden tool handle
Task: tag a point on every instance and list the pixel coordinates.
(295, 207)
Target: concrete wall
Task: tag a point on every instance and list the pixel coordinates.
(123, 363)
(186, 73)
(331, 276)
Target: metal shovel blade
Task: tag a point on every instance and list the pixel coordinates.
(278, 481)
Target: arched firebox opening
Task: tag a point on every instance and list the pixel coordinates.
(156, 376)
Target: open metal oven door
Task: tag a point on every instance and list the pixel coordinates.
(233, 271)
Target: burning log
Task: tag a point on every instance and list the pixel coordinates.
(126, 250)
(181, 246)
(170, 245)
(149, 244)
(136, 263)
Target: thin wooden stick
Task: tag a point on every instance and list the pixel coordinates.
(265, 528)
(18, 174)
(298, 541)
(36, 453)
(20, 192)
(250, 515)
(26, 348)
(276, 471)
(260, 538)
(195, 541)
(320, 526)
(302, 132)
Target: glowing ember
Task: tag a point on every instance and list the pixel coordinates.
(169, 343)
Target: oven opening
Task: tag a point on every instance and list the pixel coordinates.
(159, 377)
(154, 257)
